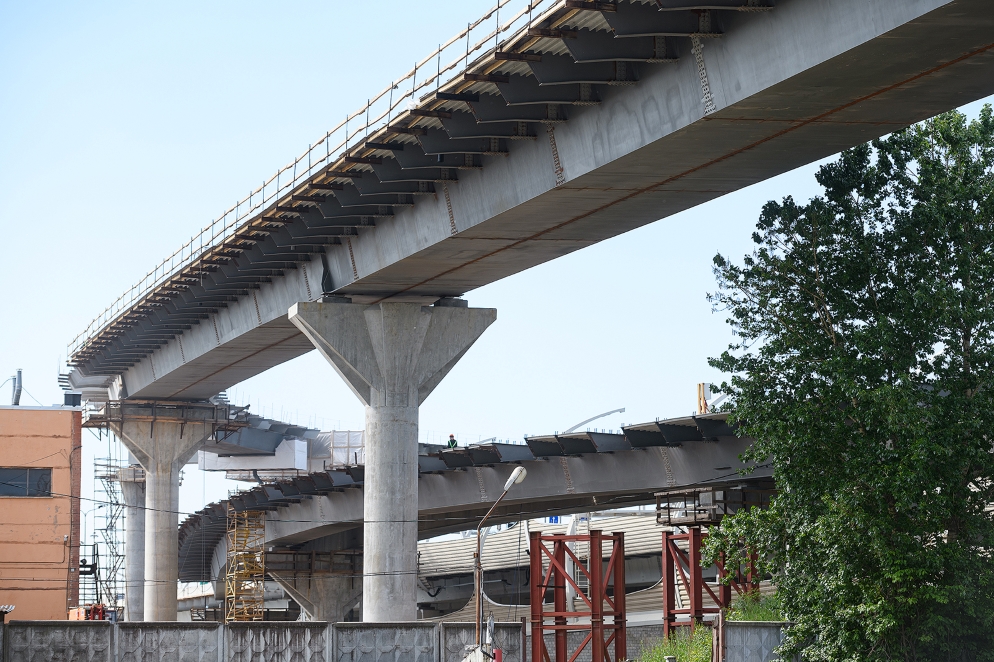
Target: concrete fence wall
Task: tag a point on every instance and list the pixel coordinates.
(102, 641)
(752, 641)
(640, 639)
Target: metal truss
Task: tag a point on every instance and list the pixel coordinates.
(605, 608)
(682, 570)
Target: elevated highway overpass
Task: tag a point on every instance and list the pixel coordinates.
(574, 131)
(322, 512)
(568, 123)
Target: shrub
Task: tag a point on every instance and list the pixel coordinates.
(754, 607)
(684, 646)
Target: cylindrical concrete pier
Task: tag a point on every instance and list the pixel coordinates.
(162, 436)
(161, 542)
(134, 544)
(392, 355)
(390, 513)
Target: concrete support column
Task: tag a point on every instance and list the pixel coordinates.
(132, 480)
(323, 598)
(163, 436)
(392, 355)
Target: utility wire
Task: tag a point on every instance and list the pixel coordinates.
(200, 515)
(289, 521)
(31, 396)
(324, 521)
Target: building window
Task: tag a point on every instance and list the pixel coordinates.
(25, 482)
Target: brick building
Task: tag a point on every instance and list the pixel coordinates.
(40, 453)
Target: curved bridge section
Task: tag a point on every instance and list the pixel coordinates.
(570, 473)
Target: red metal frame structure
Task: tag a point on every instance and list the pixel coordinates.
(548, 572)
(688, 565)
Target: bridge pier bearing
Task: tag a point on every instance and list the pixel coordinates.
(392, 356)
(163, 435)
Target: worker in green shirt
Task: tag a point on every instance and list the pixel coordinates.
(452, 441)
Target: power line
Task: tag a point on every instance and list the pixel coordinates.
(289, 521)
(31, 396)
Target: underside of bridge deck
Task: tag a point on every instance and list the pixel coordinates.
(596, 119)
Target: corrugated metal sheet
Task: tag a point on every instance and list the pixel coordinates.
(512, 68)
(550, 46)
(585, 20)
(482, 88)
(508, 548)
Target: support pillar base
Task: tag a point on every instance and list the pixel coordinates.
(163, 435)
(392, 356)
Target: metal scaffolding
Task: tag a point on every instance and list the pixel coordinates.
(101, 576)
(245, 582)
(109, 526)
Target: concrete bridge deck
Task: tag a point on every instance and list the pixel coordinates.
(571, 473)
(592, 119)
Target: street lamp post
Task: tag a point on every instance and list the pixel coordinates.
(516, 477)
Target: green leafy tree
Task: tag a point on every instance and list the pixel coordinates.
(864, 368)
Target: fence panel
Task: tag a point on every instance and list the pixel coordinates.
(455, 637)
(752, 641)
(396, 642)
(277, 642)
(168, 642)
(42, 641)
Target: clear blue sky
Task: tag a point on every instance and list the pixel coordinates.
(126, 127)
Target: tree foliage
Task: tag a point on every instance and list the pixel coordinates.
(864, 369)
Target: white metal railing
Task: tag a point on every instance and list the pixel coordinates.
(481, 37)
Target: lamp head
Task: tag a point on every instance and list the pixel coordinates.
(516, 477)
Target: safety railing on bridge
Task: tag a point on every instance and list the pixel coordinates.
(480, 38)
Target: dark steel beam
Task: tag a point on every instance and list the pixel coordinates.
(464, 125)
(527, 90)
(561, 69)
(595, 46)
(639, 20)
(350, 196)
(415, 157)
(437, 141)
(493, 108)
(390, 171)
(372, 186)
(334, 209)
